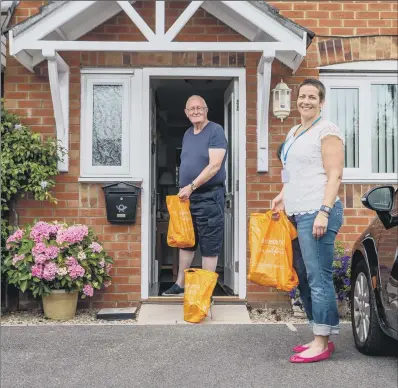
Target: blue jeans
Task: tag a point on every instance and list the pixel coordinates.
(313, 261)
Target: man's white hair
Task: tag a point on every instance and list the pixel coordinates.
(196, 97)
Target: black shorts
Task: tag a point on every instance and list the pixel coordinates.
(207, 210)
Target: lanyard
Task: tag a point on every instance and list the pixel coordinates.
(284, 154)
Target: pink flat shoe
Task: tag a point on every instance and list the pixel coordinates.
(297, 359)
(301, 348)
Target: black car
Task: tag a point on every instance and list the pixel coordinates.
(374, 276)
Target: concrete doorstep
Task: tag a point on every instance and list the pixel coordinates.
(169, 314)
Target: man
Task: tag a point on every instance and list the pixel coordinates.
(201, 179)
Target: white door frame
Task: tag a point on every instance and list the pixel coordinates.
(192, 72)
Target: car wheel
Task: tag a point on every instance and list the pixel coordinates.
(369, 337)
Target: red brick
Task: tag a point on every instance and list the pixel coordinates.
(335, 6)
(367, 15)
(389, 15)
(354, 7)
(380, 6)
(305, 6)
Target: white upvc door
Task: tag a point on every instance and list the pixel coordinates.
(153, 262)
(231, 124)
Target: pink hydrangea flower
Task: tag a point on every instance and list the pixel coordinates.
(76, 271)
(88, 290)
(96, 248)
(71, 261)
(50, 270)
(108, 268)
(37, 270)
(40, 259)
(52, 252)
(17, 258)
(38, 249)
(16, 236)
(72, 235)
(40, 230)
(107, 283)
(102, 263)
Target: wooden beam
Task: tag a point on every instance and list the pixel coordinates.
(160, 18)
(158, 46)
(137, 20)
(263, 103)
(182, 20)
(59, 86)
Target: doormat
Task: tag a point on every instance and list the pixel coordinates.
(218, 290)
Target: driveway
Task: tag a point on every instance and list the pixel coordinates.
(180, 356)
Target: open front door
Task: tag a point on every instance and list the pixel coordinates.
(153, 262)
(231, 121)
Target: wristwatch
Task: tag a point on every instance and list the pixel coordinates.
(326, 209)
(193, 186)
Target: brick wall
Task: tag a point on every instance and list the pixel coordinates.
(29, 95)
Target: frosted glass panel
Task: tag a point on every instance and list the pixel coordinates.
(384, 129)
(107, 125)
(344, 113)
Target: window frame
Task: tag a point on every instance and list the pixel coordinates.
(132, 106)
(363, 81)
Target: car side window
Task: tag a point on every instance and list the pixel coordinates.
(394, 211)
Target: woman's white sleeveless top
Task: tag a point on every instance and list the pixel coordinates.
(305, 190)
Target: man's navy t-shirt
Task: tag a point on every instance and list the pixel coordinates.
(195, 154)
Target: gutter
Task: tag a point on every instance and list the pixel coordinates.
(7, 10)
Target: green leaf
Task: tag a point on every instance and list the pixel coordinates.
(23, 286)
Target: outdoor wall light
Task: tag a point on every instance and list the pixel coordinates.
(281, 100)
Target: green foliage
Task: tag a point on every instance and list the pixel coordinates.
(28, 165)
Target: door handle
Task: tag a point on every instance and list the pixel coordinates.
(228, 200)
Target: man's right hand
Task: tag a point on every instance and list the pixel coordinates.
(277, 203)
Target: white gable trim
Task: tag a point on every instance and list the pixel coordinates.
(242, 16)
(267, 24)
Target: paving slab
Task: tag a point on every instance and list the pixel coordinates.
(169, 314)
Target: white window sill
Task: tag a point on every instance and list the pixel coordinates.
(367, 180)
(109, 179)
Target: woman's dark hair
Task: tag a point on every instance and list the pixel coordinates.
(316, 83)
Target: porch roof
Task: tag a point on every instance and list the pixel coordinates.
(59, 25)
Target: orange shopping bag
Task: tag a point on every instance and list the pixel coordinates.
(271, 253)
(180, 233)
(199, 287)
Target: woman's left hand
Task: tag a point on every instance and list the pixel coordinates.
(320, 226)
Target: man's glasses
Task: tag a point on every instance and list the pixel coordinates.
(200, 109)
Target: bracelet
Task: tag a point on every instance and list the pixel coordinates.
(324, 214)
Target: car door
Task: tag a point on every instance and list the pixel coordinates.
(387, 250)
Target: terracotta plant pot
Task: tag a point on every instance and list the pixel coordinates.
(60, 305)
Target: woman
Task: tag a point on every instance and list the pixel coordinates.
(313, 161)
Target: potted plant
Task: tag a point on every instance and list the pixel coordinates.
(57, 261)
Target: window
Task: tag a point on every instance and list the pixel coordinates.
(110, 133)
(362, 100)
